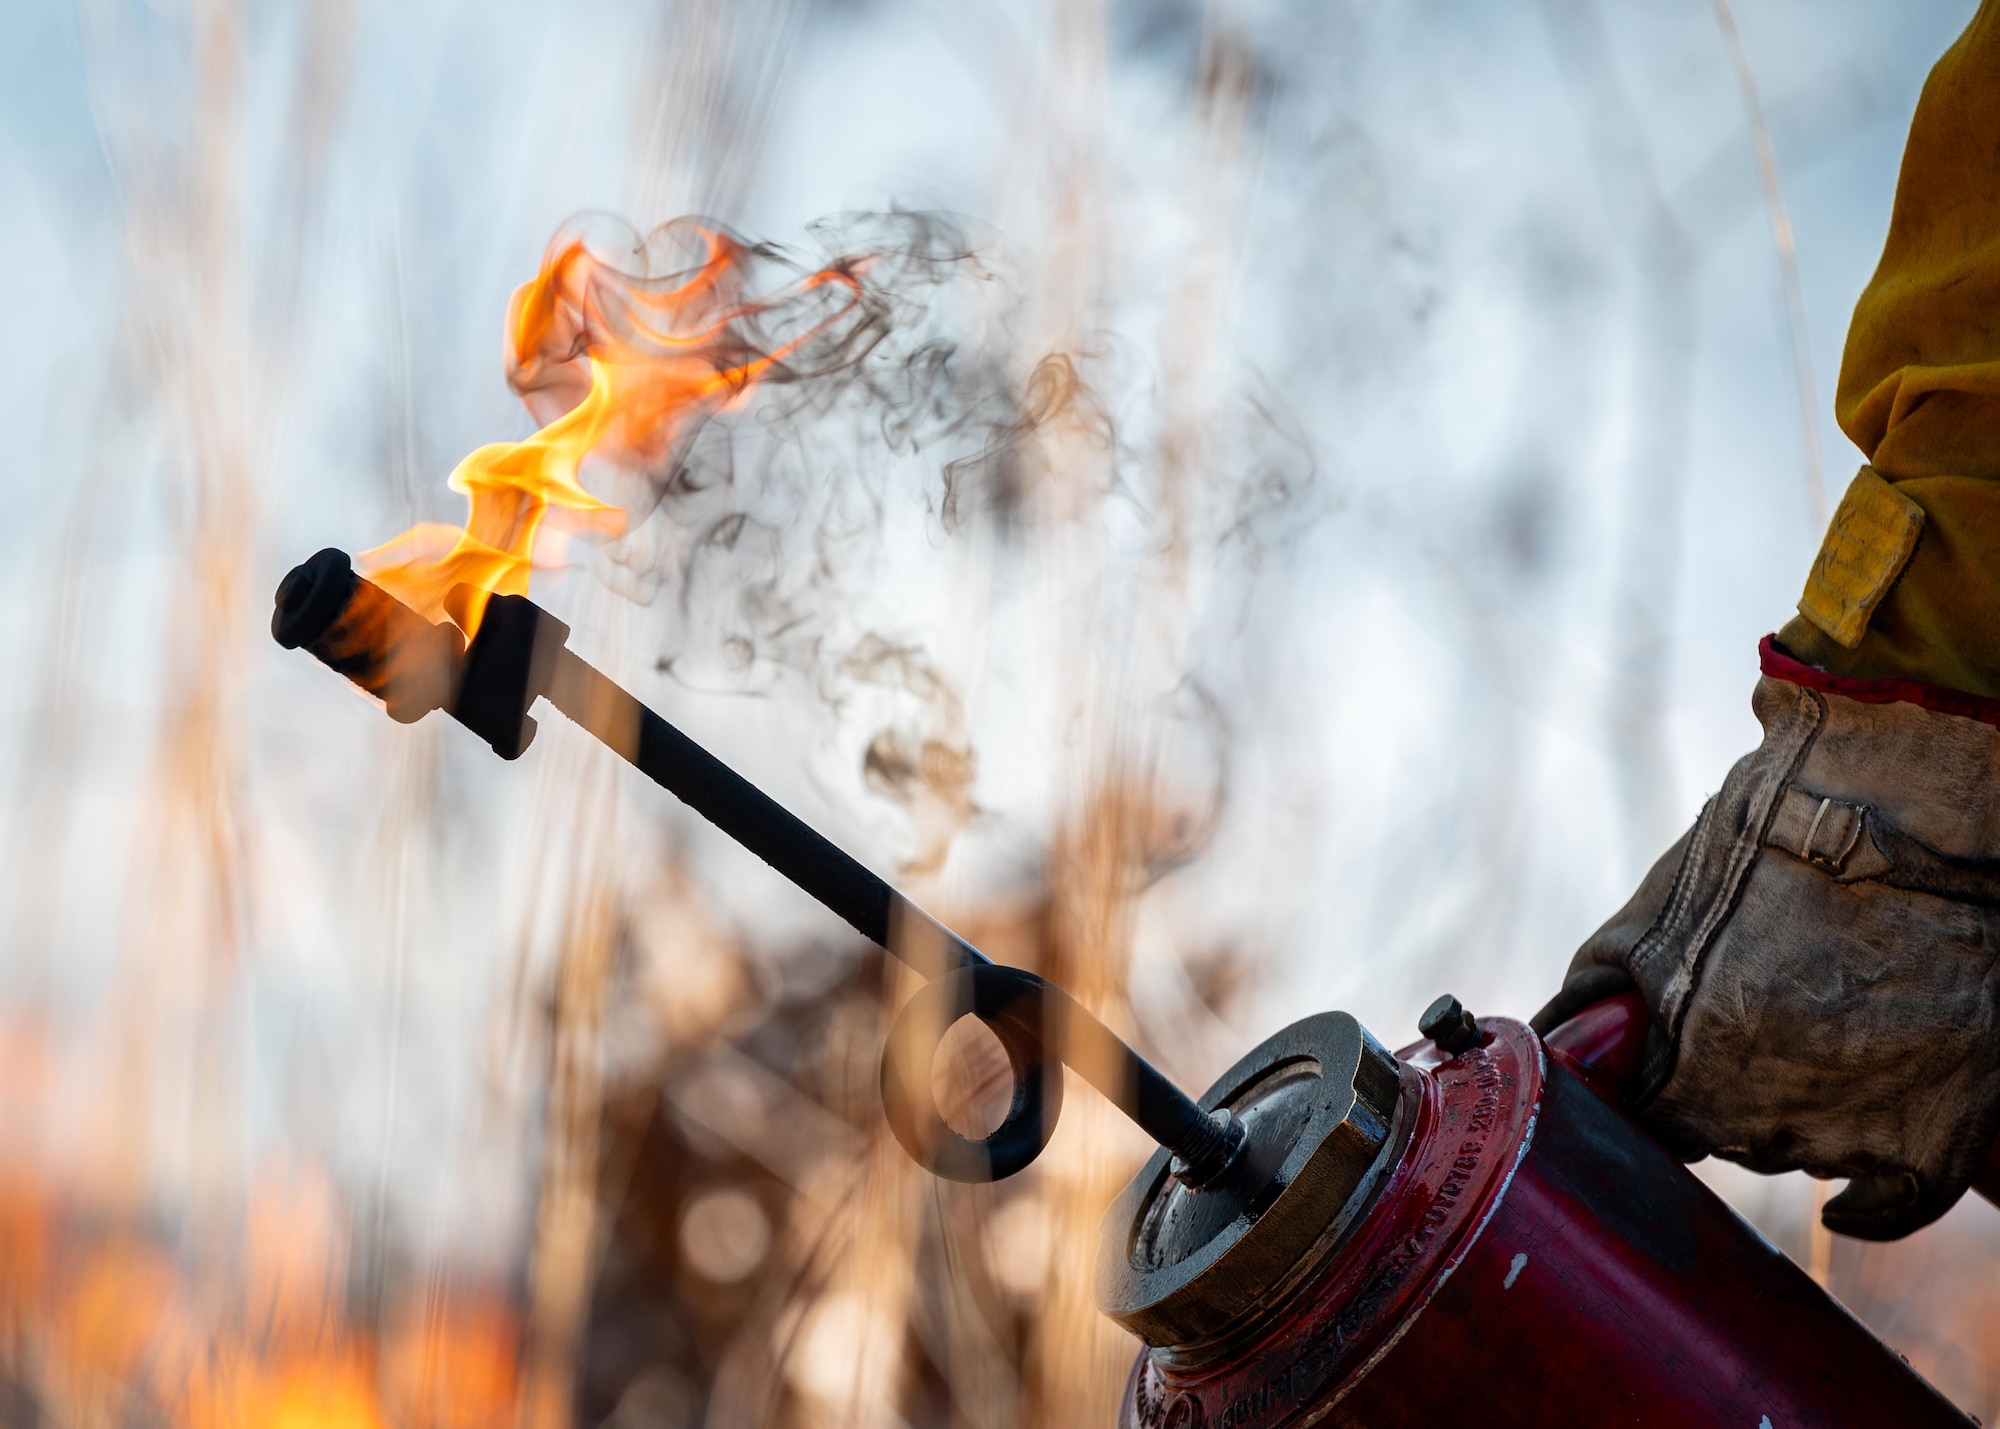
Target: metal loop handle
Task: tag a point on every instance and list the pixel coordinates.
(1043, 1029)
(1016, 1006)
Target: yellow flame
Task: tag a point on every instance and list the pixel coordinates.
(615, 365)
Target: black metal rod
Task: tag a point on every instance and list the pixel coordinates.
(868, 903)
(520, 653)
(797, 850)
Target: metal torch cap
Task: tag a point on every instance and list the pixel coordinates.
(1318, 1101)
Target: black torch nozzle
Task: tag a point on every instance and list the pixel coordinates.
(519, 654)
(413, 665)
(355, 627)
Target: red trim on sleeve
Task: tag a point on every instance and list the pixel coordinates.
(1780, 666)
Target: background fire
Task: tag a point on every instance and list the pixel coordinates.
(1204, 597)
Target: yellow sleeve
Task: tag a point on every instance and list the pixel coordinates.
(1919, 393)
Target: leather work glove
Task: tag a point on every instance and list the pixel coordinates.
(1821, 953)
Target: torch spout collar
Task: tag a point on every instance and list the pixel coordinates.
(1315, 1111)
(1209, 1148)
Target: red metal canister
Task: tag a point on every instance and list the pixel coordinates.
(1504, 1247)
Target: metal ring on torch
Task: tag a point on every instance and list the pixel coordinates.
(1015, 1005)
(1043, 1029)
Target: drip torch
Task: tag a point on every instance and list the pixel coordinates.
(1468, 1230)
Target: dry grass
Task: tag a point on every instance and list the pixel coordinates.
(345, 1081)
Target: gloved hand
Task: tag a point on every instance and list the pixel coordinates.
(1821, 952)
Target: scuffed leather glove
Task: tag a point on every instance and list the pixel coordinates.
(1821, 953)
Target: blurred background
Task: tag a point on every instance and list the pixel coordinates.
(1362, 448)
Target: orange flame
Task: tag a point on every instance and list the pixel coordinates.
(615, 365)
(101, 1321)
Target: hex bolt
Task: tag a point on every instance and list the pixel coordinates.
(1447, 1023)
